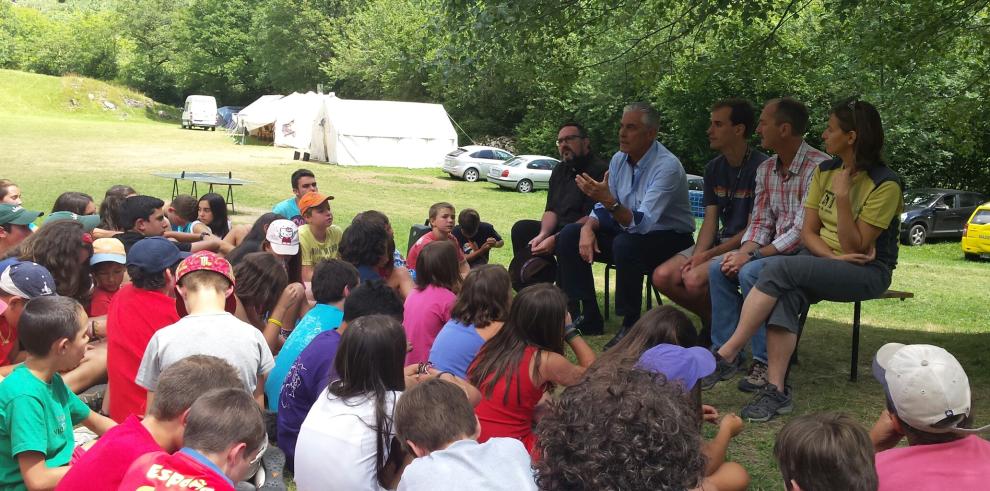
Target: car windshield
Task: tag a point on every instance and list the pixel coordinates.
(514, 162)
(919, 198)
(457, 152)
(981, 217)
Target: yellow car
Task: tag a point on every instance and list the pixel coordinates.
(976, 234)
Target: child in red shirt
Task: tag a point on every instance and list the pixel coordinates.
(442, 225)
(224, 438)
(108, 269)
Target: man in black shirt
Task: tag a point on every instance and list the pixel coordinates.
(566, 204)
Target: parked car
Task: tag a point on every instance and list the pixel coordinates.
(936, 213)
(976, 234)
(201, 111)
(523, 173)
(472, 162)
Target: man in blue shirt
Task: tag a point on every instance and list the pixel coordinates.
(303, 181)
(642, 217)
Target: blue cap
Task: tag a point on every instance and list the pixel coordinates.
(154, 254)
(676, 363)
(26, 279)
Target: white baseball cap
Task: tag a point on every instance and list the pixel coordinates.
(283, 235)
(926, 385)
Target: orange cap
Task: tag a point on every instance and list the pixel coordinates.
(311, 199)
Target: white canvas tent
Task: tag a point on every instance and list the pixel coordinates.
(258, 114)
(294, 115)
(381, 133)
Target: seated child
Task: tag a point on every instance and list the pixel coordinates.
(108, 267)
(427, 308)
(37, 410)
(313, 368)
(224, 438)
(441, 226)
(104, 464)
(205, 280)
(332, 282)
(448, 455)
(183, 219)
(622, 429)
(477, 316)
(477, 238)
(19, 283)
(319, 238)
(819, 452)
(685, 367)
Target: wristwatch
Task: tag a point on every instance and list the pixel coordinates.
(615, 206)
(755, 254)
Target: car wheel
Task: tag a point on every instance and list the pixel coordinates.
(971, 257)
(524, 186)
(213, 128)
(471, 175)
(917, 234)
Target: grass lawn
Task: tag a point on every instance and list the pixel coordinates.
(48, 150)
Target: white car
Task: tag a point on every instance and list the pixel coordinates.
(524, 173)
(471, 162)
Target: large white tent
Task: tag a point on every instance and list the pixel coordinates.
(294, 115)
(259, 113)
(381, 133)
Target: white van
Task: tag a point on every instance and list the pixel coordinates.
(201, 111)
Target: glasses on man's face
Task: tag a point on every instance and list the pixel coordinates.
(261, 451)
(568, 139)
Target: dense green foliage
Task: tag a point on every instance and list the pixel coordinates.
(520, 68)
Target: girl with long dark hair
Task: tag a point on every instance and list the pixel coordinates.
(522, 363)
(347, 440)
(663, 324)
(213, 213)
(254, 239)
(427, 308)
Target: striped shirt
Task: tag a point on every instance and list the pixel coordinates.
(778, 213)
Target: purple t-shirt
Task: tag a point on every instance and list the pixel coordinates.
(307, 377)
(425, 313)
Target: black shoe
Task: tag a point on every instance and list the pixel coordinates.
(590, 326)
(768, 403)
(724, 370)
(618, 337)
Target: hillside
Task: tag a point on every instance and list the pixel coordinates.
(33, 94)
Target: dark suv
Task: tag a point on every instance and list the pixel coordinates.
(936, 213)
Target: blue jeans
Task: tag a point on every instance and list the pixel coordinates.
(727, 303)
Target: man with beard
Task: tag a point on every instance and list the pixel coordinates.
(566, 203)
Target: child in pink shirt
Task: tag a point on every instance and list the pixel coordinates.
(427, 308)
(108, 264)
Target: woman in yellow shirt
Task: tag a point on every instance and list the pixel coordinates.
(849, 249)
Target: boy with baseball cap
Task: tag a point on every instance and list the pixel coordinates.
(137, 311)
(205, 280)
(19, 282)
(686, 367)
(928, 401)
(14, 222)
(107, 265)
(319, 237)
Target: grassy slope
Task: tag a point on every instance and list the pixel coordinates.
(48, 149)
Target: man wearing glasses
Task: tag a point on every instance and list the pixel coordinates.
(642, 217)
(566, 203)
(774, 228)
(730, 179)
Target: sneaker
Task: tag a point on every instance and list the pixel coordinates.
(589, 326)
(766, 404)
(272, 466)
(755, 379)
(724, 370)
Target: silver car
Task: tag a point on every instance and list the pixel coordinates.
(471, 162)
(524, 173)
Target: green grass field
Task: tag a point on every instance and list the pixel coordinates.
(50, 146)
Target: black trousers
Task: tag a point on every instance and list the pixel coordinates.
(632, 254)
(523, 231)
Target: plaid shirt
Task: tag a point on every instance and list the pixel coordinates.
(778, 213)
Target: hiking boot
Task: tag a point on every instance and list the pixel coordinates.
(724, 370)
(590, 326)
(756, 379)
(766, 404)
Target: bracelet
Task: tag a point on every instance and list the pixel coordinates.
(571, 332)
(272, 320)
(441, 374)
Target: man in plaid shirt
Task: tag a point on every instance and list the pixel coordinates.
(774, 229)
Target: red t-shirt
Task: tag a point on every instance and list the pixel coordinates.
(133, 318)
(180, 471)
(426, 239)
(513, 419)
(8, 339)
(104, 464)
(100, 302)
